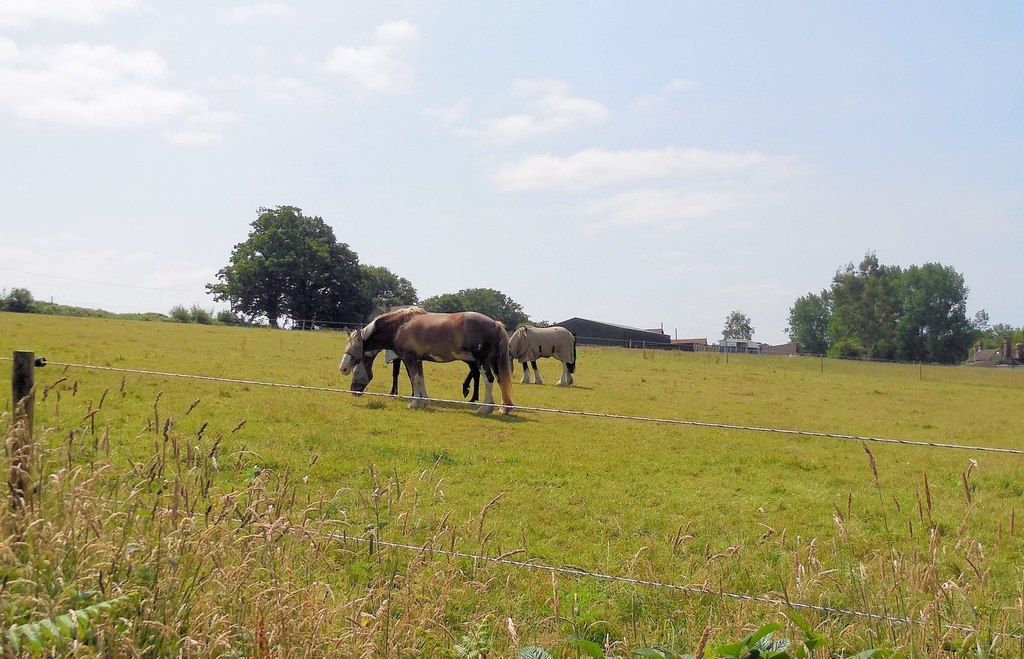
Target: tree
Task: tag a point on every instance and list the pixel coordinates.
(385, 289)
(874, 310)
(487, 301)
(933, 324)
(865, 308)
(808, 322)
(292, 265)
(737, 326)
(19, 300)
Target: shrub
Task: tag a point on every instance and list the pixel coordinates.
(200, 315)
(226, 317)
(18, 300)
(180, 314)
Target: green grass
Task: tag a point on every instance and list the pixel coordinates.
(741, 511)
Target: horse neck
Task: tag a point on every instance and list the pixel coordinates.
(383, 336)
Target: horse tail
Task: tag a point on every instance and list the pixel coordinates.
(572, 364)
(504, 369)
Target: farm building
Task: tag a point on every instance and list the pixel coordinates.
(593, 332)
(739, 346)
(998, 356)
(792, 348)
(690, 345)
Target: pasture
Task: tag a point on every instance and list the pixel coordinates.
(897, 531)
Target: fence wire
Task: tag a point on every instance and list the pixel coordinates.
(548, 410)
(579, 573)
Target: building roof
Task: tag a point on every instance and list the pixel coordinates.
(601, 322)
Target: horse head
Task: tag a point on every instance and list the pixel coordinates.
(362, 372)
(519, 343)
(353, 353)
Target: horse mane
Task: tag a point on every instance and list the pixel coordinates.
(404, 311)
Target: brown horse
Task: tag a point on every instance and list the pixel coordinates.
(417, 336)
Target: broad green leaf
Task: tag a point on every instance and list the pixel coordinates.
(762, 632)
(591, 648)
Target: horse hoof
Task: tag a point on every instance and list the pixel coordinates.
(484, 410)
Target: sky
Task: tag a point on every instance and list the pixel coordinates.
(650, 164)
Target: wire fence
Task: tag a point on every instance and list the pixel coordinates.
(575, 571)
(549, 410)
(702, 590)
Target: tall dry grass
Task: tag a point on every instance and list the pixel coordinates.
(246, 572)
(167, 563)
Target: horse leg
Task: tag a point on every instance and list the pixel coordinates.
(474, 377)
(566, 378)
(394, 376)
(488, 407)
(526, 374)
(536, 373)
(419, 388)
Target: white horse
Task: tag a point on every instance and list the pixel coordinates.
(528, 344)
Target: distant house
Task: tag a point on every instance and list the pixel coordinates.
(594, 332)
(1003, 356)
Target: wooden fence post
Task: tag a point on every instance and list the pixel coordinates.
(23, 395)
(22, 383)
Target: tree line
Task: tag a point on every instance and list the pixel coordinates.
(882, 311)
(292, 267)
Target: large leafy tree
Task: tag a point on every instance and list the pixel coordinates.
(874, 310)
(292, 266)
(737, 326)
(19, 300)
(385, 289)
(933, 324)
(488, 301)
(808, 322)
(865, 309)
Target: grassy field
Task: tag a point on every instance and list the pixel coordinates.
(896, 530)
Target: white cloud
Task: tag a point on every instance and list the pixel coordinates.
(692, 185)
(552, 108)
(677, 86)
(669, 206)
(18, 13)
(378, 68)
(93, 86)
(597, 167)
(194, 138)
(257, 11)
(289, 90)
(448, 114)
(397, 33)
